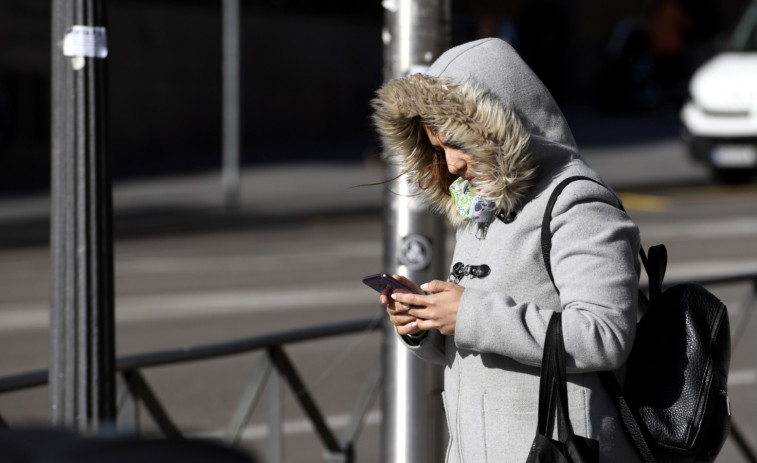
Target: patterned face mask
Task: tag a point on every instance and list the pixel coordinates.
(470, 204)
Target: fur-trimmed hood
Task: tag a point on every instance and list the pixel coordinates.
(487, 101)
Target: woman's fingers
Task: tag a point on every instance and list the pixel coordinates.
(438, 286)
(405, 300)
(412, 313)
(437, 310)
(401, 320)
(408, 328)
(405, 324)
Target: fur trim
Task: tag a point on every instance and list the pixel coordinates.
(473, 119)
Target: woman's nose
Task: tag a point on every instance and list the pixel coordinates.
(456, 166)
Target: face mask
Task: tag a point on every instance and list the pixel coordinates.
(469, 203)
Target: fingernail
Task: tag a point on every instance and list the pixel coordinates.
(414, 325)
(424, 286)
(394, 296)
(405, 306)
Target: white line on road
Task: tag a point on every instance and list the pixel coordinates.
(149, 307)
(707, 269)
(202, 304)
(720, 228)
(264, 257)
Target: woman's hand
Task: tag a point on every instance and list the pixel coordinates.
(418, 312)
(398, 315)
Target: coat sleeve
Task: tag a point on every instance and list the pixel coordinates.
(430, 348)
(595, 267)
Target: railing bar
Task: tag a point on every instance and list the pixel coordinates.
(23, 380)
(366, 398)
(285, 367)
(188, 354)
(127, 405)
(123, 391)
(708, 281)
(747, 306)
(134, 362)
(142, 390)
(248, 400)
(705, 281)
(275, 418)
(742, 444)
(718, 280)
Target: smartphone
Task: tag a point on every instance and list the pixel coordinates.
(381, 281)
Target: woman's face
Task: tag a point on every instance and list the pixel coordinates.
(458, 162)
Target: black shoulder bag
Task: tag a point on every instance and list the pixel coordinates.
(553, 396)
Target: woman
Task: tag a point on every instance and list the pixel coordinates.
(486, 143)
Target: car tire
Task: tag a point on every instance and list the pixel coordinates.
(731, 176)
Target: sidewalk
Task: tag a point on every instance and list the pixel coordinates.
(279, 193)
(630, 150)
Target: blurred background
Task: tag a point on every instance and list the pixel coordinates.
(190, 271)
(306, 87)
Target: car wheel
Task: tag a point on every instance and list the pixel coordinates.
(731, 176)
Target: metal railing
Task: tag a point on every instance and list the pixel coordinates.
(133, 388)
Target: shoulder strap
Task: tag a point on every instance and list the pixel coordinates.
(655, 266)
(546, 234)
(631, 426)
(610, 382)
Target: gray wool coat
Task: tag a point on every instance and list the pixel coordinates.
(487, 101)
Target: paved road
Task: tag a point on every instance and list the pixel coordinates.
(201, 276)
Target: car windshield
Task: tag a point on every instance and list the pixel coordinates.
(745, 36)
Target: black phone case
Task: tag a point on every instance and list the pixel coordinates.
(382, 281)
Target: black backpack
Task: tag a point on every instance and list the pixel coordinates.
(674, 402)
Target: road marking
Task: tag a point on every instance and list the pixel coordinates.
(719, 228)
(172, 306)
(640, 202)
(202, 304)
(264, 257)
(694, 270)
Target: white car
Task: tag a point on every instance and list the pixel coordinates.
(720, 119)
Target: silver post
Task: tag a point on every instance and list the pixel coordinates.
(415, 33)
(230, 177)
(82, 360)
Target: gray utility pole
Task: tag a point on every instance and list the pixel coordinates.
(416, 32)
(82, 360)
(230, 177)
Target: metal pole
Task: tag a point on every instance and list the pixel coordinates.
(82, 353)
(230, 177)
(415, 33)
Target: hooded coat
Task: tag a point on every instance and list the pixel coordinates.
(487, 101)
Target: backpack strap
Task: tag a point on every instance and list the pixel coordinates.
(655, 267)
(656, 263)
(546, 234)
